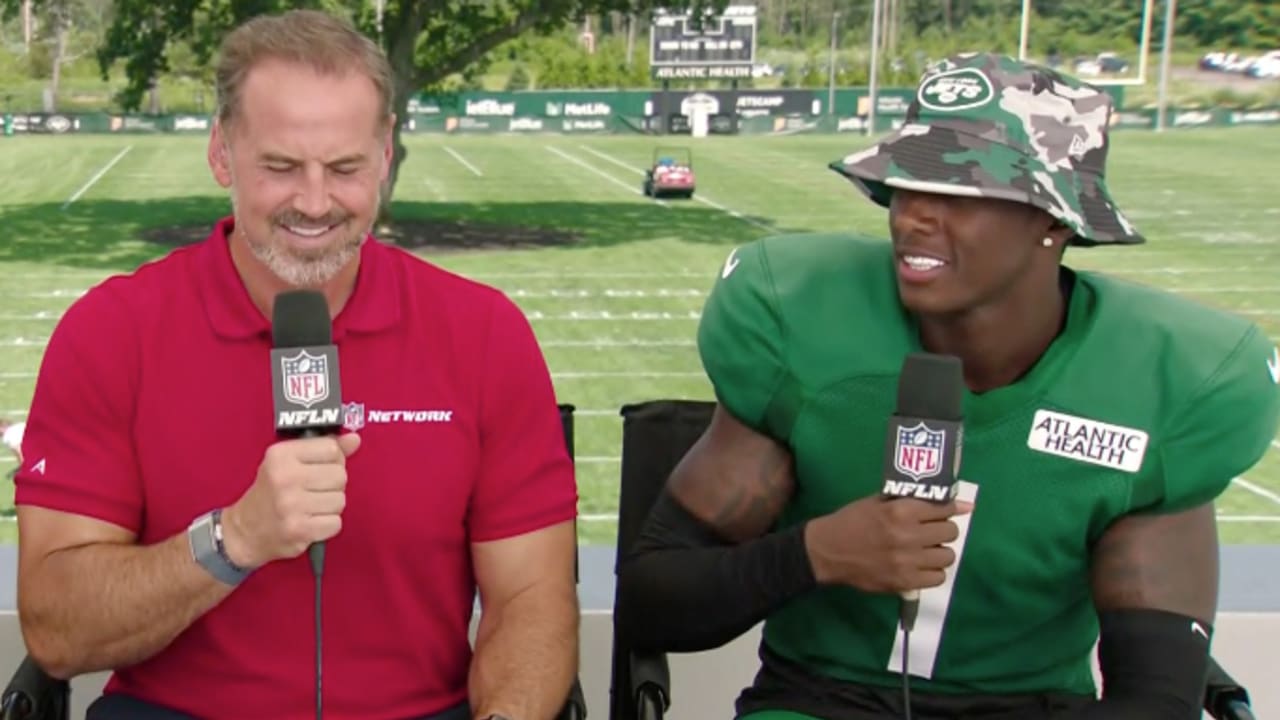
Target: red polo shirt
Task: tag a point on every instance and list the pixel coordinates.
(154, 405)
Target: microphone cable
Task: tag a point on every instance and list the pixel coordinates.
(316, 555)
(907, 617)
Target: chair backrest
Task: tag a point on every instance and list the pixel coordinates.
(655, 436)
(566, 424)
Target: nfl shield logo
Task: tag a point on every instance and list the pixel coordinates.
(306, 378)
(919, 451)
(352, 416)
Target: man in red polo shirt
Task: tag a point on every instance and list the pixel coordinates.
(162, 522)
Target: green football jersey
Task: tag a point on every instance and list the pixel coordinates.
(1144, 403)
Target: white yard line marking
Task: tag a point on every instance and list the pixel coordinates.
(457, 156)
(56, 293)
(1275, 289)
(605, 315)
(435, 189)
(607, 292)
(610, 343)
(609, 158)
(642, 374)
(601, 173)
(97, 176)
(1257, 490)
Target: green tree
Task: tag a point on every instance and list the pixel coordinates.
(518, 79)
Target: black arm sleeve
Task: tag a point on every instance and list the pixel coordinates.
(683, 589)
(1154, 665)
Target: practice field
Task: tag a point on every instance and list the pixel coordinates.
(616, 308)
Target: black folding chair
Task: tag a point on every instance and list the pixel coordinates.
(32, 694)
(655, 435)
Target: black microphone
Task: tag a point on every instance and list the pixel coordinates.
(308, 400)
(922, 448)
(304, 374)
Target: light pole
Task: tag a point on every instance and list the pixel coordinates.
(831, 69)
(875, 66)
(1170, 11)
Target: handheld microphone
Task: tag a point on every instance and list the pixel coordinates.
(304, 373)
(308, 400)
(922, 448)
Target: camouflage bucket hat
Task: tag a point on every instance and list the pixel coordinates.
(986, 125)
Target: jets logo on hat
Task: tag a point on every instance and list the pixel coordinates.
(960, 89)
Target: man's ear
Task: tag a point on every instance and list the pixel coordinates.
(388, 148)
(219, 155)
(1060, 233)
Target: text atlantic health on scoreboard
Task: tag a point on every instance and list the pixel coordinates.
(724, 47)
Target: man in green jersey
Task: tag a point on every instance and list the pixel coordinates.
(1101, 420)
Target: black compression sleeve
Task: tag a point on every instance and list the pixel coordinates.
(683, 589)
(1154, 665)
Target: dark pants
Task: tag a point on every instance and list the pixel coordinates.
(122, 707)
(784, 685)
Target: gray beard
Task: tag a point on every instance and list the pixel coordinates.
(305, 272)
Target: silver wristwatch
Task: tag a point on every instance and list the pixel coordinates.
(205, 538)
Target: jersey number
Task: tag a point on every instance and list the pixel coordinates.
(927, 635)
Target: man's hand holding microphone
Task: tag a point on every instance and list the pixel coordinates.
(896, 541)
(296, 499)
(881, 545)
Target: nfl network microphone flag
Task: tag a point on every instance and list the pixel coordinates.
(304, 365)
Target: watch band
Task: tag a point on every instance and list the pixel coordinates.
(205, 537)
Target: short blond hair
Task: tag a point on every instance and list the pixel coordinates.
(327, 44)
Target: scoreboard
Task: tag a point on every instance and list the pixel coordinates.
(721, 46)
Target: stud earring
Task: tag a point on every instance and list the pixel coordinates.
(1047, 242)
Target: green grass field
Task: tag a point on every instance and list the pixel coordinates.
(616, 311)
